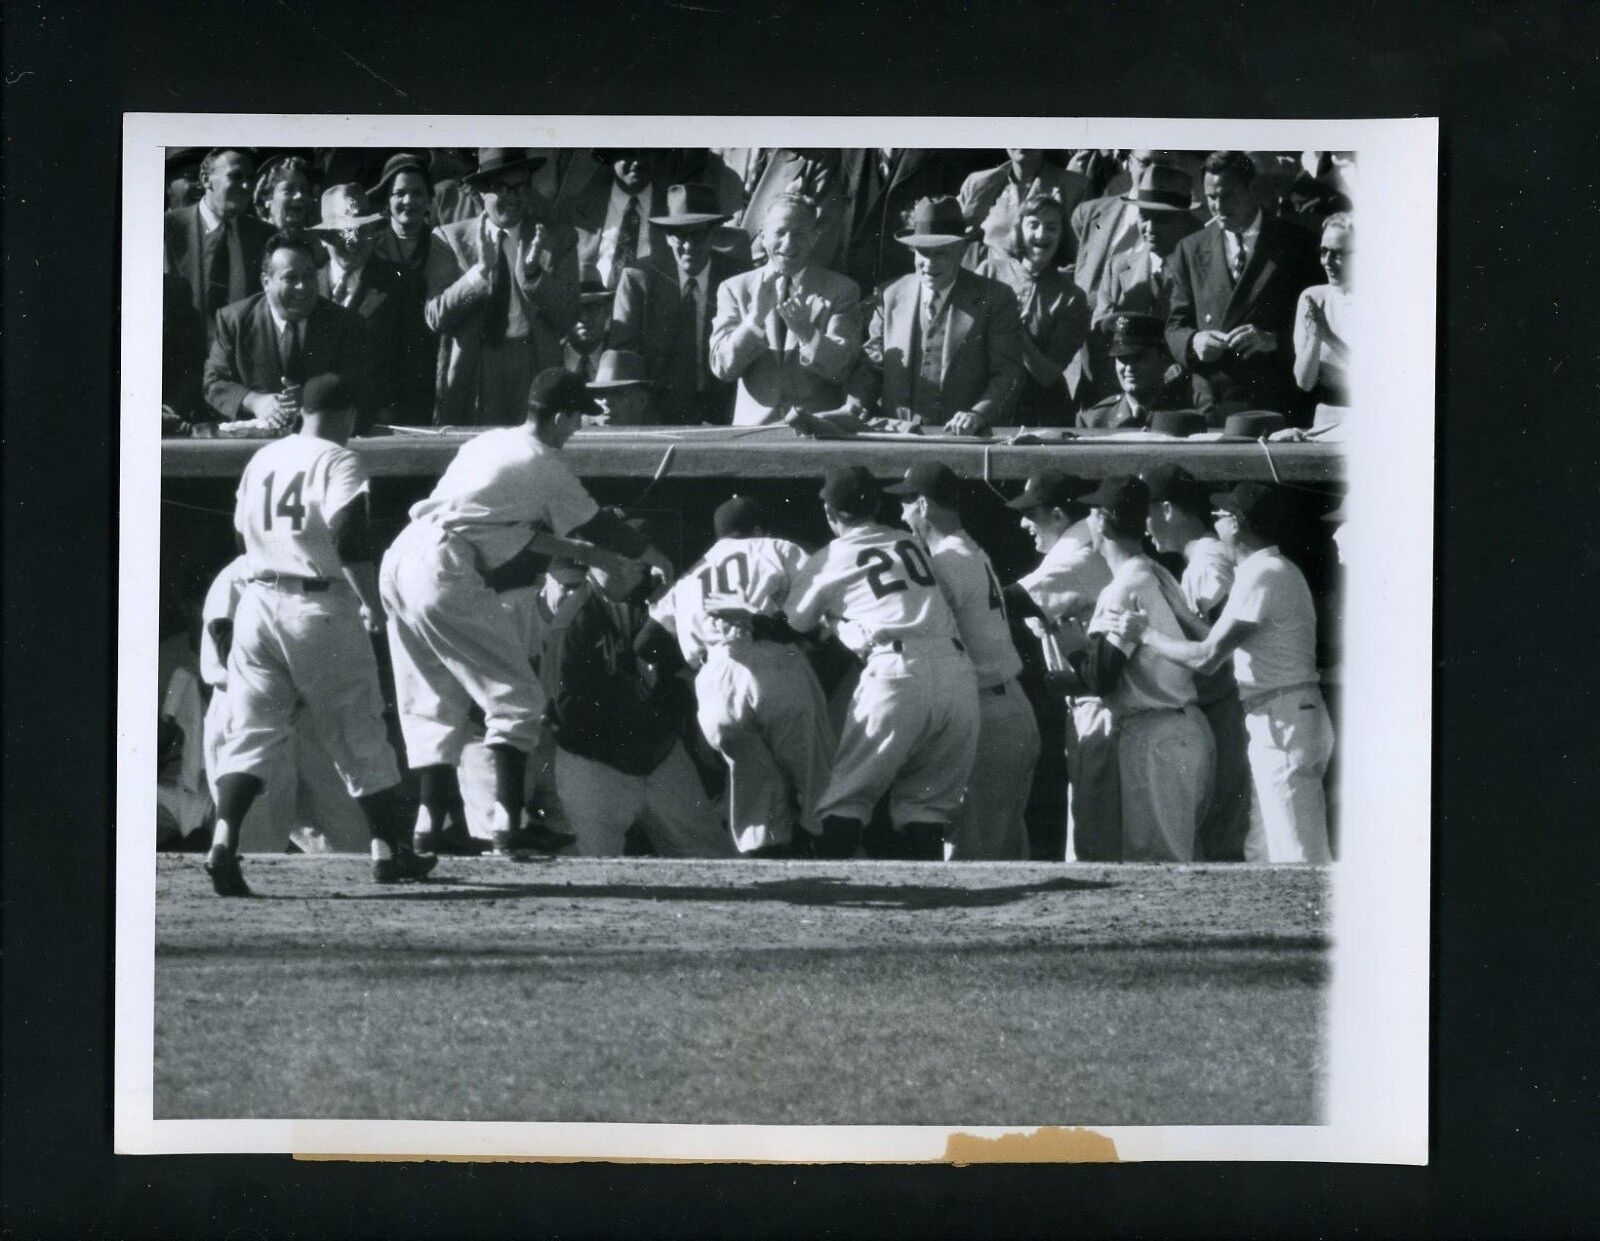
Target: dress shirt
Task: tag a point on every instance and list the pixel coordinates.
(209, 219)
(516, 315)
(1247, 240)
(616, 207)
(337, 272)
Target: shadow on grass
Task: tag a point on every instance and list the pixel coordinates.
(811, 891)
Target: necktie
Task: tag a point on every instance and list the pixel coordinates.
(341, 290)
(219, 274)
(1239, 256)
(930, 312)
(1033, 312)
(289, 354)
(696, 337)
(498, 310)
(627, 241)
(783, 328)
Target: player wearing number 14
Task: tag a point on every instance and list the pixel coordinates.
(912, 726)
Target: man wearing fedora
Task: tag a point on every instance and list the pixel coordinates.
(945, 345)
(611, 214)
(388, 304)
(1136, 279)
(992, 200)
(1268, 628)
(665, 313)
(264, 347)
(1108, 226)
(215, 245)
(788, 333)
(1140, 360)
(508, 297)
(1235, 286)
(624, 389)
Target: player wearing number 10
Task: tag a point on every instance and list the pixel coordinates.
(912, 726)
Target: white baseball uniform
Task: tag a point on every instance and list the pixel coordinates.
(990, 826)
(912, 727)
(1165, 754)
(1291, 737)
(452, 641)
(1065, 587)
(298, 640)
(759, 703)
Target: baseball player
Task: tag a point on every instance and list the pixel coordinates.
(452, 642)
(302, 634)
(990, 826)
(620, 756)
(912, 725)
(759, 701)
(1269, 628)
(1057, 599)
(1165, 754)
(1180, 525)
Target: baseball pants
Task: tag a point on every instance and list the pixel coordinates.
(1094, 803)
(911, 731)
(990, 826)
(453, 644)
(305, 652)
(1227, 819)
(1291, 741)
(602, 803)
(761, 706)
(1165, 760)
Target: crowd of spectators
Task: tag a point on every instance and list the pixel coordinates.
(962, 289)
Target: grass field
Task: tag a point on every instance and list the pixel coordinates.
(764, 993)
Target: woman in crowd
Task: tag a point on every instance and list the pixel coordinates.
(1055, 311)
(404, 192)
(1322, 319)
(286, 194)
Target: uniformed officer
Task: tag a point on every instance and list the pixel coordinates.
(990, 826)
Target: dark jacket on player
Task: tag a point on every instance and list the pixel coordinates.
(600, 707)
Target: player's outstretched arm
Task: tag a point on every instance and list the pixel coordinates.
(1209, 653)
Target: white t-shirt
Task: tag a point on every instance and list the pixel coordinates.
(1070, 577)
(1270, 590)
(875, 584)
(222, 601)
(288, 497)
(1148, 681)
(973, 591)
(501, 487)
(758, 571)
(1207, 574)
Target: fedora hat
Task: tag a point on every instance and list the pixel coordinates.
(1253, 424)
(592, 290)
(1162, 188)
(1178, 422)
(494, 160)
(935, 223)
(690, 206)
(345, 210)
(619, 368)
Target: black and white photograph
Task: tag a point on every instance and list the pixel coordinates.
(891, 649)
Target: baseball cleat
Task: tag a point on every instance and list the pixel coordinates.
(226, 876)
(452, 842)
(533, 838)
(405, 864)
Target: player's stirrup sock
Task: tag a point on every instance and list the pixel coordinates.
(840, 837)
(441, 796)
(383, 820)
(922, 842)
(235, 795)
(510, 777)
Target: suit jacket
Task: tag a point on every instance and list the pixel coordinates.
(981, 203)
(1132, 286)
(458, 298)
(981, 366)
(388, 301)
(245, 358)
(185, 238)
(644, 318)
(876, 209)
(587, 215)
(1204, 297)
(770, 381)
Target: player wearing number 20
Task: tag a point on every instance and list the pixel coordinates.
(758, 701)
(990, 826)
(912, 726)
(301, 637)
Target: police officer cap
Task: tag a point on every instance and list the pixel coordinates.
(933, 479)
(1132, 334)
(556, 391)
(851, 489)
(737, 518)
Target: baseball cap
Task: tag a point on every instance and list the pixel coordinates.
(562, 392)
(1124, 498)
(1175, 484)
(851, 489)
(737, 517)
(1256, 504)
(327, 393)
(933, 479)
(1047, 489)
